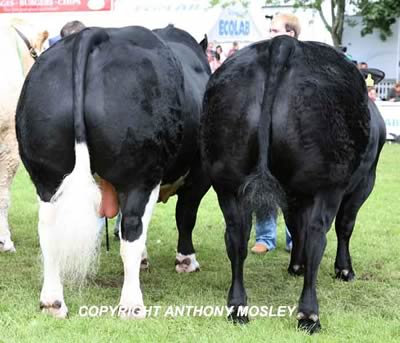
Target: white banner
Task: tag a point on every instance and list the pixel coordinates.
(391, 114)
(236, 24)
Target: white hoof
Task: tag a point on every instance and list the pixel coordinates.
(186, 263)
(132, 312)
(57, 309)
(345, 272)
(300, 316)
(6, 245)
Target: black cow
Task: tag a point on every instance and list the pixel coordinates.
(290, 120)
(124, 104)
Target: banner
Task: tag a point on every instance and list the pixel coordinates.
(235, 24)
(391, 115)
(30, 6)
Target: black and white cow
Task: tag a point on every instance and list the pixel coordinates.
(124, 104)
(290, 120)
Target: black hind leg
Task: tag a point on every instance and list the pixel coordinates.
(189, 197)
(238, 226)
(297, 218)
(344, 226)
(321, 214)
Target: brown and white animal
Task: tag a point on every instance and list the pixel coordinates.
(15, 64)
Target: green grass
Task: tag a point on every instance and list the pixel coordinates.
(366, 310)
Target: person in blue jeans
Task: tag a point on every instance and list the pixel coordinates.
(266, 236)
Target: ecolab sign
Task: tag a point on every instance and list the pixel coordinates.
(19, 6)
(234, 27)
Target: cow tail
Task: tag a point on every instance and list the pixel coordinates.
(262, 191)
(78, 199)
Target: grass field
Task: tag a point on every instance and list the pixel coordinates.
(366, 310)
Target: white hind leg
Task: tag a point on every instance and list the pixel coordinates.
(144, 264)
(51, 297)
(9, 160)
(131, 303)
(6, 244)
(69, 233)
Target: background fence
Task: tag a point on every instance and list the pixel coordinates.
(383, 88)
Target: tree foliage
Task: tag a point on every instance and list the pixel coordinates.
(379, 15)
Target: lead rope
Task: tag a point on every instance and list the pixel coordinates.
(107, 239)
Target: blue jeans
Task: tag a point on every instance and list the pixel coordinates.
(266, 233)
(101, 223)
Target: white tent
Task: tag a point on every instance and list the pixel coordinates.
(384, 55)
(194, 16)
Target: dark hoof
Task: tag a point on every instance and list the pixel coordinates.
(144, 264)
(309, 325)
(186, 266)
(236, 319)
(296, 270)
(56, 305)
(57, 309)
(345, 274)
(185, 261)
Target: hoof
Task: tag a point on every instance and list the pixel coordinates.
(236, 319)
(311, 324)
(132, 312)
(144, 264)
(57, 309)
(345, 274)
(7, 245)
(186, 263)
(296, 270)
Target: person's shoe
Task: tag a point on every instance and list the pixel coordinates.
(259, 249)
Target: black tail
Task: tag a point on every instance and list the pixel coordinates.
(84, 44)
(261, 189)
